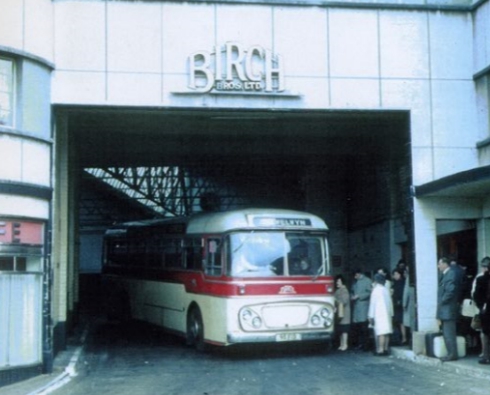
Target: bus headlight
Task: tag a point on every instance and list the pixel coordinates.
(246, 315)
(257, 322)
(324, 316)
(315, 320)
(325, 313)
(249, 319)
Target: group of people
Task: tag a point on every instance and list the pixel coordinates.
(451, 284)
(385, 305)
(378, 304)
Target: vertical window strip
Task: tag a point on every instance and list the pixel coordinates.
(6, 92)
(487, 101)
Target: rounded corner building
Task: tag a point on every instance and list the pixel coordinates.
(372, 115)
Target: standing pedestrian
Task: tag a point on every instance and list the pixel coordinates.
(361, 292)
(479, 299)
(381, 314)
(481, 296)
(448, 307)
(342, 299)
(408, 302)
(463, 324)
(388, 282)
(460, 273)
(398, 287)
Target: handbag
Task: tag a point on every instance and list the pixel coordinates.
(469, 309)
(476, 322)
(340, 310)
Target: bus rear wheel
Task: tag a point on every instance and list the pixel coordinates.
(195, 330)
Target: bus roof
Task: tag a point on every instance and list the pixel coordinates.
(219, 222)
(224, 221)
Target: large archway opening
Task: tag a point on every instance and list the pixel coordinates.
(350, 167)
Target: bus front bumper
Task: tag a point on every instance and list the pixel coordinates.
(278, 337)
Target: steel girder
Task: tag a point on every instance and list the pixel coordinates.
(169, 190)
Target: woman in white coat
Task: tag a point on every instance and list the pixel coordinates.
(381, 314)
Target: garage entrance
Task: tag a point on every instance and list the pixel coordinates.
(352, 168)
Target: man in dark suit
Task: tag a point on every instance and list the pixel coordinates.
(460, 276)
(448, 307)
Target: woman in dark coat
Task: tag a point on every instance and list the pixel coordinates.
(398, 286)
(342, 297)
(482, 300)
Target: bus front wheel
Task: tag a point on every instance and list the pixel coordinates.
(195, 329)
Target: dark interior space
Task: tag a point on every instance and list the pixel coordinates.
(276, 138)
(268, 156)
(461, 246)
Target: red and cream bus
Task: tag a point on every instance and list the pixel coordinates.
(222, 278)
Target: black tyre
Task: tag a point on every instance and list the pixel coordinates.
(195, 330)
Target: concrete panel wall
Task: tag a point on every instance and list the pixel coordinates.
(14, 206)
(18, 161)
(11, 24)
(137, 54)
(28, 26)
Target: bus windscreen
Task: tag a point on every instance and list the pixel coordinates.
(264, 254)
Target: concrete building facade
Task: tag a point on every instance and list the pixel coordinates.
(426, 61)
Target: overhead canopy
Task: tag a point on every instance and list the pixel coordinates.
(474, 183)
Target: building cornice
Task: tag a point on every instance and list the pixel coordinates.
(4, 130)
(26, 55)
(435, 6)
(26, 190)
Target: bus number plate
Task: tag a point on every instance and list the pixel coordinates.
(288, 337)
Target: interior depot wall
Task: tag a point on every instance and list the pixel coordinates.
(365, 226)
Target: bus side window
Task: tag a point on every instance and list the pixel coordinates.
(213, 257)
(193, 253)
(172, 252)
(152, 251)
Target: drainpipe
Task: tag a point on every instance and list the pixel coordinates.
(47, 327)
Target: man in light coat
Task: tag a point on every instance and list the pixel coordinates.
(361, 292)
(448, 307)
